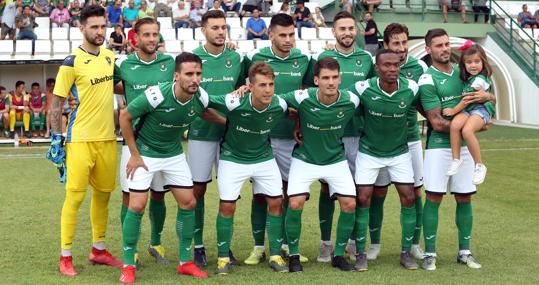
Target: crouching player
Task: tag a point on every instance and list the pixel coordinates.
(156, 149)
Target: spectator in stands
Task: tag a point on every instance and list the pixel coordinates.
(131, 41)
(231, 6)
(48, 94)
(180, 15)
(303, 17)
(369, 5)
(60, 16)
(195, 15)
(4, 110)
(36, 10)
(256, 27)
(74, 12)
(144, 10)
(130, 14)
(536, 15)
(43, 7)
(25, 23)
(318, 18)
(9, 27)
(249, 5)
(216, 5)
(370, 34)
(19, 109)
(2, 6)
(526, 19)
(480, 7)
(37, 109)
(114, 14)
(163, 8)
(118, 40)
(285, 8)
(347, 5)
(448, 5)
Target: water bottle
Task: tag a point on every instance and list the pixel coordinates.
(16, 140)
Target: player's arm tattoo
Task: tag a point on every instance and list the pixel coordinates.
(438, 122)
(56, 113)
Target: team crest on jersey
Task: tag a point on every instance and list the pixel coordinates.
(192, 112)
(409, 74)
(228, 63)
(402, 105)
(108, 60)
(269, 119)
(340, 114)
(295, 64)
(358, 62)
(163, 67)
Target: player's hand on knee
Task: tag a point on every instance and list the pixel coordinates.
(135, 161)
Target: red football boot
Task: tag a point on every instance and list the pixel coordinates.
(190, 268)
(66, 266)
(128, 275)
(103, 257)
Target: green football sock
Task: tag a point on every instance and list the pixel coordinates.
(408, 218)
(130, 236)
(275, 233)
(41, 122)
(464, 220)
(199, 222)
(326, 207)
(285, 208)
(418, 220)
(258, 221)
(185, 225)
(345, 225)
(224, 234)
(293, 229)
(123, 212)
(362, 226)
(430, 225)
(158, 213)
(376, 216)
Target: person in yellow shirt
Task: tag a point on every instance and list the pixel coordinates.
(19, 109)
(90, 144)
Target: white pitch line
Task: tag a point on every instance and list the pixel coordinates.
(512, 149)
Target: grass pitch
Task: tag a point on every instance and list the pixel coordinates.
(505, 234)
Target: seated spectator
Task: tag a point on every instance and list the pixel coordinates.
(285, 8)
(26, 23)
(74, 12)
(49, 95)
(180, 16)
(9, 27)
(60, 16)
(318, 18)
(536, 16)
(195, 15)
(114, 14)
(256, 27)
(448, 5)
(231, 6)
(216, 5)
(4, 111)
(131, 41)
(130, 14)
(37, 109)
(480, 7)
(249, 6)
(303, 17)
(526, 19)
(19, 109)
(347, 5)
(162, 8)
(118, 40)
(145, 11)
(42, 7)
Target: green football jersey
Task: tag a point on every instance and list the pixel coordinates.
(221, 74)
(162, 119)
(477, 82)
(138, 75)
(412, 69)
(322, 126)
(355, 67)
(246, 138)
(289, 75)
(385, 133)
(438, 89)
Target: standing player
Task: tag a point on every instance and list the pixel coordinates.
(221, 74)
(440, 88)
(155, 147)
(90, 149)
(323, 113)
(134, 71)
(290, 66)
(396, 39)
(385, 101)
(355, 64)
(246, 154)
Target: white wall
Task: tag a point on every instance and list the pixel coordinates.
(29, 73)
